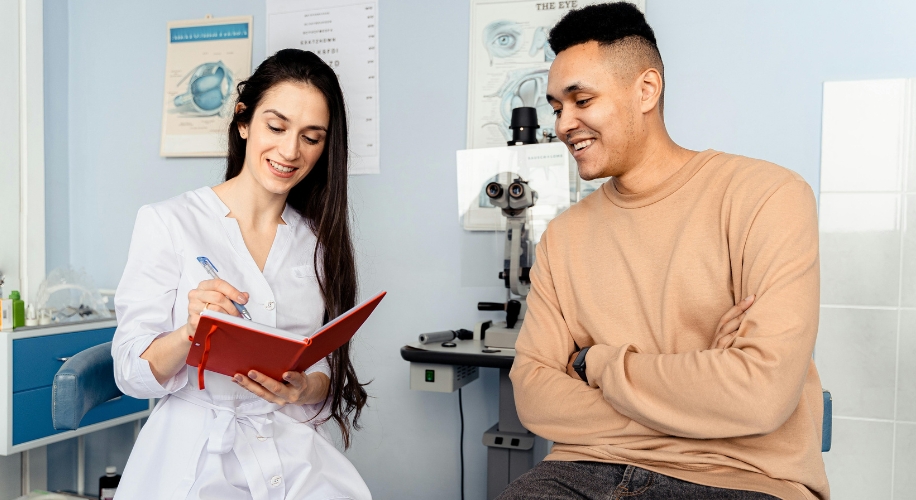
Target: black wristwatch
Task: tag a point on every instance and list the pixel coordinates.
(579, 364)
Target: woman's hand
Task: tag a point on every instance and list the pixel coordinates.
(215, 295)
(298, 388)
(729, 323)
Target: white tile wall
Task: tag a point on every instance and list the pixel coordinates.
(866, 347)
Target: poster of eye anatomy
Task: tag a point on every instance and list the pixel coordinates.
(344, 33)
(206, 59)
(509, 60)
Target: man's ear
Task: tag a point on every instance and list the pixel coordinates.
(650, 87)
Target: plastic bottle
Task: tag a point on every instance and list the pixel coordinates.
(108, 484)
(18, 309)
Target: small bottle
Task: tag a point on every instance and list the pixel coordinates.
(31, 319)
(108, 484)
(18, 309)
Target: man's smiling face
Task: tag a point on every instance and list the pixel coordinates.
(596, 109)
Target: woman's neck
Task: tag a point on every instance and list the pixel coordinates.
(249, 203)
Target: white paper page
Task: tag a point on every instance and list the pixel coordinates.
(345, 35)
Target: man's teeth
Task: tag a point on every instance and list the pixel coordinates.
(583, 144)
(281, 168)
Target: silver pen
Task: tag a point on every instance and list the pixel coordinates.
(211, 269)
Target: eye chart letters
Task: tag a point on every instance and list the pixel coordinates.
(345, 35)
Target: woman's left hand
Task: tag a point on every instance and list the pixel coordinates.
(298, 388)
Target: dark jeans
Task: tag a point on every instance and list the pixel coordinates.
(555, 480)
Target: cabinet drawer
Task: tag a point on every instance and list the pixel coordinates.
(32, 413)
(35, 360)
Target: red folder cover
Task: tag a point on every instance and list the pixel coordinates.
(229, 345)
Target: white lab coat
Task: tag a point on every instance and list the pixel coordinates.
(223, 442)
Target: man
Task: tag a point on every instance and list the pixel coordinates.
(620, 361)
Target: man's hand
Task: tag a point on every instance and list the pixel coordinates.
(298, 388)
(725, 332)
(731, 320)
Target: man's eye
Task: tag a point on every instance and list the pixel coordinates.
(583, 102)
(556, 112)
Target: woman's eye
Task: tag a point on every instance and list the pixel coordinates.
(310, 140)
(274, 129)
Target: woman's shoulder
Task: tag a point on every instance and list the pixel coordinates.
(195, 204)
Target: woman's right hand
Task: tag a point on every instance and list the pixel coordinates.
(730, 322)
(215, 295)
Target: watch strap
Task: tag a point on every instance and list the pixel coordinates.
(579, 364)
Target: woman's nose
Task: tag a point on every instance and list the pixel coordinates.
(289, 147)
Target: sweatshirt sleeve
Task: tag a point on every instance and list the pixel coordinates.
(144, 302)
(754, 385)
(539, 373)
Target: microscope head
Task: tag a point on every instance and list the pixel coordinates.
(514, 198)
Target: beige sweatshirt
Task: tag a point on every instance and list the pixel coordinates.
(644, 279)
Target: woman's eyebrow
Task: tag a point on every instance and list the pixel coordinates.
(279, 114)
(307, 127)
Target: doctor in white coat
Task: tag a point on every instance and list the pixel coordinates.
(277, 230)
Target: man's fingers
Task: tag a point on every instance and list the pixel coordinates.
(732, 325)
(724, 341)
(732, 313)
(745, 304)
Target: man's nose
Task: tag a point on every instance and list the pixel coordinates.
(566, 123)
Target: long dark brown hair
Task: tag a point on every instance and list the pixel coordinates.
(321, 198)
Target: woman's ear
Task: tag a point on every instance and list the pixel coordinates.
(243, 127)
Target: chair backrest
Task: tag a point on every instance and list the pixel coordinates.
(827, 427)
(85, 381)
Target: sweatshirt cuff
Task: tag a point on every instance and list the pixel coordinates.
(599, 362)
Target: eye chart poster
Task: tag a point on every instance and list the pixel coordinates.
(344, 34)
(509, 60)
(206, 59)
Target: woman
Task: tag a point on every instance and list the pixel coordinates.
(277, 230)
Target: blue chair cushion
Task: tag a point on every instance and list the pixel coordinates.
(85, 381)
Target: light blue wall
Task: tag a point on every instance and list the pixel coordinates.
(57, 175)
(744, 77)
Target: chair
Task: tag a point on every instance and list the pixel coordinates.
(85, 381)
(827, 428)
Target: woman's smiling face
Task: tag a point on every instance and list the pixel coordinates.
(286, 136)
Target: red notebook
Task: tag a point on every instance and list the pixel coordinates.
(229, 345)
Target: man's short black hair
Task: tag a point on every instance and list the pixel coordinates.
(603, 23)
(618, 25)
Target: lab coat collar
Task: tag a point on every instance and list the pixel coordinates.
(290, 215)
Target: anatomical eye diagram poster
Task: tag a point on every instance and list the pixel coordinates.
(509, 60)
(206, 59)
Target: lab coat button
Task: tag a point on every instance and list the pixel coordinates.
(270, 305)
(275, 481)
(262, 438)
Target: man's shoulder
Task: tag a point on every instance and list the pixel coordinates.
(579, 213)
(751, 178)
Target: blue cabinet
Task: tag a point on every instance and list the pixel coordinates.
(29, 359)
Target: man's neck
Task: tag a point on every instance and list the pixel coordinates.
(653, 164)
